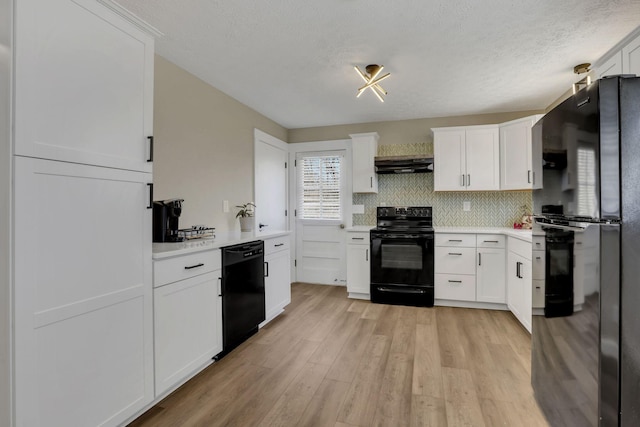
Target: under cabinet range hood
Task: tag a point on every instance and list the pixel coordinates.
(420, 163)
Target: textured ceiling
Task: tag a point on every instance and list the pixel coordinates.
(293, 60)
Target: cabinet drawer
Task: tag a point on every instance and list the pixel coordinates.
(455, 260)
(458, 239)
(490, 241)
(358, 238)
(538, 243)
(182, 267)
(458, 287)
(276, 244)
(537, 300)
(538, 262)
(520, 247)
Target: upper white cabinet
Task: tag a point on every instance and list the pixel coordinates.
(624, 60)
(631, 57)
(84, 85)
(364, 150)
(466, 158)
(520, 157)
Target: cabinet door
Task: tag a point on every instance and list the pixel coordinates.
(364, 150)
(277, 283)
(482, 152)
(358, 270)
(490, 276)
(519, 292)
(516, 172)
(612, 67)
(188, 323)
(84, 85)
(83, 298)
(449, 163)
(631, 57)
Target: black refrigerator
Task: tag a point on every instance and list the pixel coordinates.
(585, 353)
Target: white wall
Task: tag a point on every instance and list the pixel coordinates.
(5, 213)
(203, 147)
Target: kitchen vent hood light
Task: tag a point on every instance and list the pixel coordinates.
(372, 81)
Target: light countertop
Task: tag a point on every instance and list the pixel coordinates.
(512, 232)
(360, 228)
(166, 250)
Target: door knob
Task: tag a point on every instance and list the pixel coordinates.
(341, 225)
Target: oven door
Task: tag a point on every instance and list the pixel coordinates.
(405, 259)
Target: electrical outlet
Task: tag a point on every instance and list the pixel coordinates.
(225, 206)
(466, 206)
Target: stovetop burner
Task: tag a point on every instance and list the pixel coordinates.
(405, 219)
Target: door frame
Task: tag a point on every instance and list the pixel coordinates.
(317, 146)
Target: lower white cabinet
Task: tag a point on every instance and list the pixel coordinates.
(519, 284)
(277, 281)
(187, 316)
(358, 264)
(470, 267)
(490, 271)
(82, 298)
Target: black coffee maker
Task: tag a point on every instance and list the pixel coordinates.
(165, 220)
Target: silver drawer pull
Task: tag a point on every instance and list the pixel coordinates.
(455, 281)
(279, 244)
(454, 253)
(490, 241)
(194, 266)
(538, 257)
(357, 238)
(456, 240)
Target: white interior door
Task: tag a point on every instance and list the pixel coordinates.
(270, 196)
(320, 217)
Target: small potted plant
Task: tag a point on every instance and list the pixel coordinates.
(245, 215)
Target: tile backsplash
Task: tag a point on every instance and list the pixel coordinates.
(488, 208)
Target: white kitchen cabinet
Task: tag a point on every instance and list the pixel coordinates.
(454, 267)
(538, 272)
(490, 271)
(519, 282)
(277, 281)
(358, 264)
(469, 158)
(84, 85)
(187, 322)
(612, 67)
(82, 308)
(520, 156)
(631, 57)
(364, 148)
(83, 296)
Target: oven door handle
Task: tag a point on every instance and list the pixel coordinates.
(402, 236)
(401, 290)
(576, 229)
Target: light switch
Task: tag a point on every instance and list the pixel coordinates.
(466, 206)
(225, 206)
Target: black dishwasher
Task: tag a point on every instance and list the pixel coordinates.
(242, 292)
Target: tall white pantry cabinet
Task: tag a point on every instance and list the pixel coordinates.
(80, 75)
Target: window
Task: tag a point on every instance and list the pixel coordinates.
(319, 187)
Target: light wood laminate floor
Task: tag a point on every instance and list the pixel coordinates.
(332, 361)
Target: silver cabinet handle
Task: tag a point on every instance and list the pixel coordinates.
(219, 286)
(479, 258)
(455, 281)
(529, 176)
(367, 255)
(455, 240)
(357, 238)
(468, 180)
(278, 245)
(371, 181)
(454, 253)
(489, 241)
(462, 180)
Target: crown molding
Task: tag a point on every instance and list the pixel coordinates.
(135, 20)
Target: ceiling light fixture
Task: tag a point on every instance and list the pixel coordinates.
(584, 82)
(372, 80)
